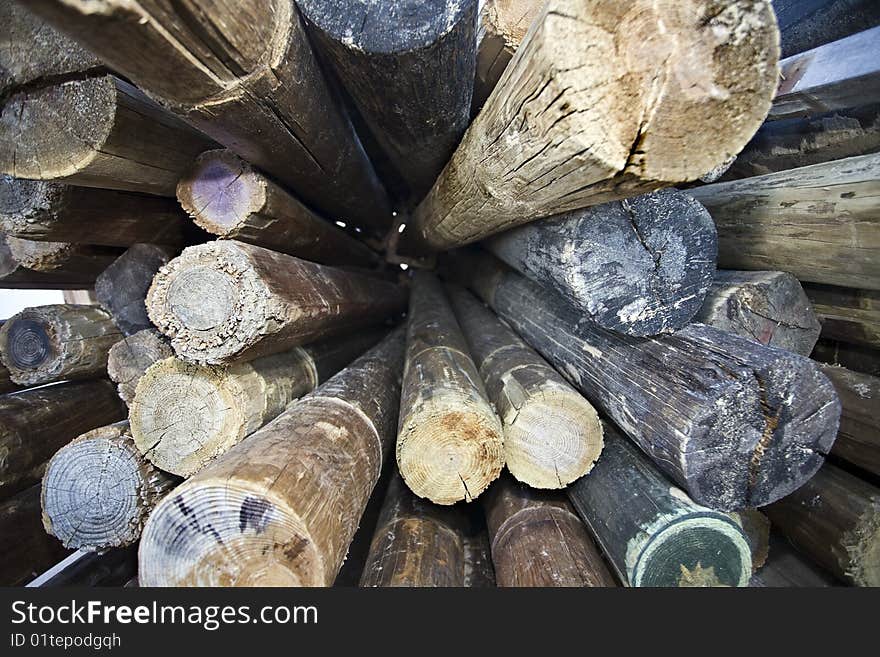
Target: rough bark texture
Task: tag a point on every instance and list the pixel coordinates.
(591, 110)
(52, 343)
(282, 507)
(806, 25)
(73, 260)
(27, 550)
(847, 314)
(537, 540)
(787, 568)
(184, 415)
(767, 306)
(35, 423)
(835, 520)
(449, 441)
(129, 358)
(640, 266)
(652, 532)
(227, 301)
(816, 222)
(552, 435)
(858, 440)
(16, 276)
(98, 490)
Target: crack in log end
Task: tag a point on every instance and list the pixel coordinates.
(699, 577)
(771, 422)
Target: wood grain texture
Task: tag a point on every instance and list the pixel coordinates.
(756, 528)
(640, 266)
(807, 24)
(552, 435)
(787, 568)
(14, 275)
(591, 110)
(27, 549)
(76, 261)
(227, 301)
(847, 314)
(817, 222)
(129, 358)
(283, 505)
(858, 439)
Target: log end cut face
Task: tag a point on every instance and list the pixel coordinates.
(24, 203)
(30, 347)
(222, 533)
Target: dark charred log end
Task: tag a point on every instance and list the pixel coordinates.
(28, 344)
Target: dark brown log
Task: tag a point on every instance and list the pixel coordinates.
(16, 276)
(552, 435)
(847, 314)
(835, 520)
(26, 548)
(854, 357)
(449, 440)
(640, 266)
(769, 307)
(806, 24)
(284, 504)
(478, 569)
(227, 301)
(53, 343)
(786, 567)
(34, 424)
(6, 383)
(537, 540)
(128, 359)
(858, 440)
(82, 568)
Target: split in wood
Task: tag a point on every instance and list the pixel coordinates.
(847, 314)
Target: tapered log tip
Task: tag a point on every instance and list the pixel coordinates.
(22, 199)
(39, 256)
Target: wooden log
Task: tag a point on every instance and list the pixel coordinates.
(46, 211)
(858, 439)
(95, 132)
(853, 357)
(98, 490)
(122, 287)
(769, 307)
(185, 415)
(284, 504)
(27, 549)
(552, 435)
(537, 540)
(75, 260)
(652, 532)
(80, 297)
(244, 74)
(756, 529)
(835, 520)
(844, 73)
(478, 569)
(786, 567)
(640, 266)
(35, 423)
(733, 422)
(57, 342)
(129, 358)
(776, 221)
(16, 276)
(449, 440)
(83, 568)
(227, 301)
(847, 314)
(409, 68)
(229, 198)
(590, 110)
(806, 25)
(6, 382)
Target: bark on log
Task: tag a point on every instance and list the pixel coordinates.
(53, 343)
(449, 440)
(409, 68)
(537, 540)
(733, 422)
(185, 415)
(858, 439)
(639, 266)
(283, 506)
(776, 221)
(806, 25)
(122, 287)
(46, 211)
(835, 520)
(228, 301)
(245, 74)
(98, 490)
(553, 138)
(27, 550)
(847, 314)
(95, 131)
(652, 532)
(229, 198)
(785, 567)
(552, 435)
(35, 423)
(769, 307)
(129, 358)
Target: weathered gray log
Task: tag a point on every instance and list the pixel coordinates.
(98, 490)
(35, 423)
(185, 415)
(847, 314)
(76, 261)
(806, 24)
(227, 301)
(640, 266)
(767, 306)
(735, 423)
(229, 198)
(129, 358)
(244, 73)
(858, 440)
(584, 116)
(16, 276)
(552, 435)
(776, 221)
(284, 504)
(449, 440)
(835, 520)
(122, 287)
(853, 357)
(26, 548)
(786, 567)
(537, 540)
(652, 532)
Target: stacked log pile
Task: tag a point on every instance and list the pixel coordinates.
(668, 337)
